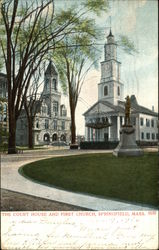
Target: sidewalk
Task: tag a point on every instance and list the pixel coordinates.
(12, 180)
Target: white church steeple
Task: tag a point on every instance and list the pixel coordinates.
(110, 87)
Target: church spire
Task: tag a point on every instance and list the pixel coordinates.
(110, 33)
(110, 37)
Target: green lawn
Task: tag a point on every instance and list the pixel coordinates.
(128, 178)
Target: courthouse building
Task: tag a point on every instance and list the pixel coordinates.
(51, 124)
(111, 104)
(3, 102)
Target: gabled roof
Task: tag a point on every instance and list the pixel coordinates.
(138, 108)
(120, 108)
(112, 108)
(51, 69)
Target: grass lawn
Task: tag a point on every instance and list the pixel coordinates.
(131, 179)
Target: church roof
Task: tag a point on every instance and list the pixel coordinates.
(51, 69)
(112, 108)
(136, 108)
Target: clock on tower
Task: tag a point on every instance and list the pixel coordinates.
(106, 69)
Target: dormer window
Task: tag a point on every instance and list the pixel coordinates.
(105, 90)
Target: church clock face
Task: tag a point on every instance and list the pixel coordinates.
(107, 69)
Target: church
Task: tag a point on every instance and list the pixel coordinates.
(51, 123)
(110, 106)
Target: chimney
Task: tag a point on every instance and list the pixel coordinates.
(153, 108)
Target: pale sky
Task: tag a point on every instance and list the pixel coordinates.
(138, 20)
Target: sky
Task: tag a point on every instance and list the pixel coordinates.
(138, 20)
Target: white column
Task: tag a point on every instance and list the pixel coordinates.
(122, 120)
(91, 134)
(109, 129)
(137, 132)
(118, 127)
(86, 134)
(99, 131)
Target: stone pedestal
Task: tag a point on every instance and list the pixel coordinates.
(127, 145)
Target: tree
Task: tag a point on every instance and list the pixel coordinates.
(3, 122)
(30, 29)
(31, 104)
(75, 55)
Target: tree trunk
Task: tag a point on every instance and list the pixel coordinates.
(73, 126)
(30, 134)
(12, 135)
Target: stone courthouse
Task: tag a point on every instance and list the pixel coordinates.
(51, 124)
(111, 103)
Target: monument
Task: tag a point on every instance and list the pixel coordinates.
(127, 145)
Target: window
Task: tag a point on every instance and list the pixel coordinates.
(55, 125)
(47, 83)
(5, 108)
(153, 136)
(63, 125)
(152, 123)
(106, 90)
(44, 109)
(54, 137)
(147, 136)
(142, 135)
(46, 123)
(37, 137)
(118, 90)
(141, 121)
(147, 123)
(37, 124)
(55, 107)
(63, 138)
(63, 111)
(46, 137)
(54, 86)
(157, 137)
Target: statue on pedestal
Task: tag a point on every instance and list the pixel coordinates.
(127, 111)
(127, 145)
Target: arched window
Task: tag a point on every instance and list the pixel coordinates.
(106, 90)
(46, 137)
(118, 90)
(54, 137)
(47, 83)
(63, 138)
(37, 124)
(54, 84)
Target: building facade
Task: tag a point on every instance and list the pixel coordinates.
(3, 105)
(111, 104)
(51, 123)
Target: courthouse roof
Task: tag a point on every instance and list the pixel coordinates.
(51, 69)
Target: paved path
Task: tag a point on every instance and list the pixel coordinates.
(12, 180)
